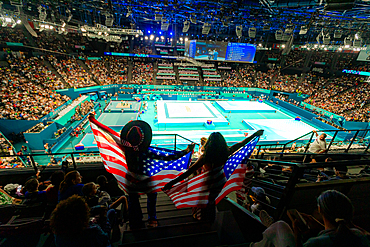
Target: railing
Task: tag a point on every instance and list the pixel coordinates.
(34, 159)
(340, 140)
(279, 180)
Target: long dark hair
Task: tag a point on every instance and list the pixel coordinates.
(70, 217)
(67, 182)
(216, 150)
(337, 208)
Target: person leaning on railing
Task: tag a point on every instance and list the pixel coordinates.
(319, 146)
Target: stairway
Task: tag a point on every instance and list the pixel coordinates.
(176, 227)
(55, 72)
(87, 69)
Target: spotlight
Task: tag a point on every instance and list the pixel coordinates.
(186, 27)
(109, 20)
(146, 37)
(186, 39)
(7, 19)
(158, 17)
(165, 24)
(239, 31)
(252, 32)
(303, 30)
(206, 28)
(337, 34)
(151, 37)
(19, 21)
(279, 35)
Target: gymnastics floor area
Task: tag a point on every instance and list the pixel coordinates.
(196, 119)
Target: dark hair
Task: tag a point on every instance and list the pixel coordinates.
(67, 182)
(31, 185)
(56, 178)
(216, 150)
(88, 188)
(70, 216)
(341, 169)
(338, 210)
(101, 180)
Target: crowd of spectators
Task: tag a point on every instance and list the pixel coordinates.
(295, 59)
(76, 42)
(231, 78)
(14, 35)
(346, 61)
(142, 49)
(263, 79)
(49, 41)
(109, 71)
(286, 83)
(345, 96)
(72, 72)
(247, 74)
(170, 82)
(81, 111)
(321, 57)
(28, 89)
(6, 148)
(142, 73)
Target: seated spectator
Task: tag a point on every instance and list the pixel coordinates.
(255, 203)
(101, 204)
(53, 189)
(96, 197)
(70, 224)
(71, 185)
(33, 195)
(110, 186)
(337, 229)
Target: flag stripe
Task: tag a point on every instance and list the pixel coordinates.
(155, 173)
(195, 192)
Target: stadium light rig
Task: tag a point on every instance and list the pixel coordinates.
(239, 31)
(186, 27)
(206, 28)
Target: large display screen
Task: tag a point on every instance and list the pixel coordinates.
(220, 51)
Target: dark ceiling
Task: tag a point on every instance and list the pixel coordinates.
(267, 16)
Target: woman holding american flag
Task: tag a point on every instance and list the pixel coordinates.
(212, 161)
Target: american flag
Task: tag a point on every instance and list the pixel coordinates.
(155, 173)
(194, 192)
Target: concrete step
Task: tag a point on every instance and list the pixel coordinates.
(162, 208)
(168, 231)
(198, 239)
(169, 213)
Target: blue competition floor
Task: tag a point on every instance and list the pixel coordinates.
(188, 120)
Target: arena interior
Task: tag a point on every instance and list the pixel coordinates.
(297, 70)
